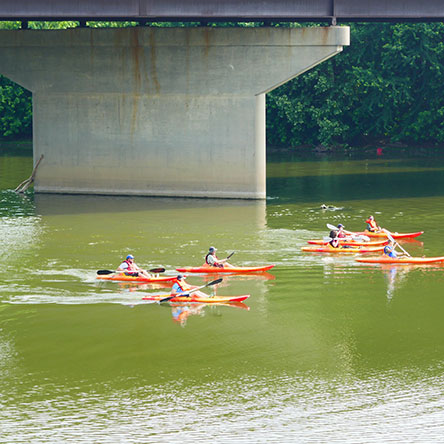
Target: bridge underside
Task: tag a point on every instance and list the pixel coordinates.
(226, 10)
(156, 111)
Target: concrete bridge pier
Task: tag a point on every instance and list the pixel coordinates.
(157, 111)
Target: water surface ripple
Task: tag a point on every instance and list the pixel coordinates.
(324, 350)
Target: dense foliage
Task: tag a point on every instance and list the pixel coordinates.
(386, 85)
(15, 110)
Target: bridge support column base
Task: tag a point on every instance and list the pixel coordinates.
(157, 111)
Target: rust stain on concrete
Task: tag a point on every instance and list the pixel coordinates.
(153, 65)
(187, 58)
(119, 34)
(136, 52)
(135, 55)
(207, 42)
(91, 49)
(325, 32)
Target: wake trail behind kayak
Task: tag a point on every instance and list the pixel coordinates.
(41, 299)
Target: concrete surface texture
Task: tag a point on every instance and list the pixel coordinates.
(157, 111)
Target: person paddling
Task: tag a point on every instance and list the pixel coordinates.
(372, 225)
(389, 250)
(182, 287)
(213, 261)
(341, 233)
(129, 268)
(334, 243)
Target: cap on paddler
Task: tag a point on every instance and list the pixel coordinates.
(212, 249)
(340, 225)
(180, 276)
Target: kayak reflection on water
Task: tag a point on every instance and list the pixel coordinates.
(135, 286)
(262, 276)
(394, 276)
(182, 311)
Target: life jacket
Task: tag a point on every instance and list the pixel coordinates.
(130, 270)
(388, 250)
(336, 242)
(183, 286)
(341, 235)
(215, 257)
(372, 225)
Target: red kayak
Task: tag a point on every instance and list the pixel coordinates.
(226, 304)
(121, 277)
(351, 242)
(341, 250)
(199, 299)
(394, 235)
(400, 260)
(208, 269)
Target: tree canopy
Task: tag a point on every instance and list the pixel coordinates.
(386, 85)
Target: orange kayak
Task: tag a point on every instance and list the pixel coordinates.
(400, 260)
(226, 304)
(199, 299)
(340, 250)
(383, 235)
(121, 277)
(353, 243)
(208, 269)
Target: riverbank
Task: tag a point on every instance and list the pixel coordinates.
(371, 151)
(303, 152)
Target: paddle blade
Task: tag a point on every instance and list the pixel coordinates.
(331, 227)
(362, 237)
(217, 281)
(157, 270)
(102, 272)
(388, 234)
(167, 299)
(228, 257)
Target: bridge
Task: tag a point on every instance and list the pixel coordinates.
(226, 10)
(167, 111)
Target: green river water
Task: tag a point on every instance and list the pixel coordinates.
(324, 350)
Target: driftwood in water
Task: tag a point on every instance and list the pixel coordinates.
(26, 183)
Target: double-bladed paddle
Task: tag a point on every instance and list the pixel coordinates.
(228, 257)
(153, 270)
(389, 235)
(217, 281)
(350, 233)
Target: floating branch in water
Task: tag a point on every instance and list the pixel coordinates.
(26, 183)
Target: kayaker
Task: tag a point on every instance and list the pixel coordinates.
(213, 261)
(389, 250)
(372, 225)
(129, 268)
(334, 239)
(180, 286)
(341, 233)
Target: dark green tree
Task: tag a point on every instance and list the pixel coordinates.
(386, 85)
